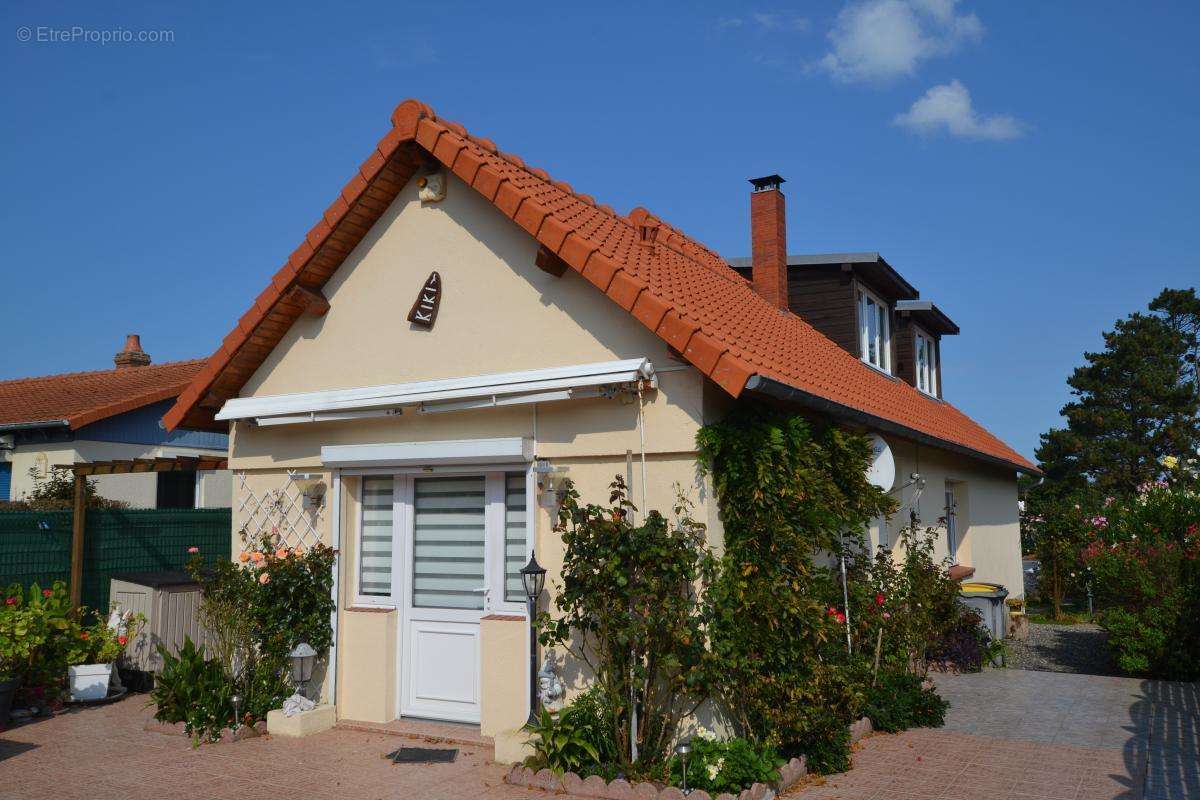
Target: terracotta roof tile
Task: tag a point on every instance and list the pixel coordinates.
(675, 286)
(84, 397)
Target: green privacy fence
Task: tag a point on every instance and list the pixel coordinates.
(35, 546)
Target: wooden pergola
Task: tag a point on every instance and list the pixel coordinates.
(85, 469)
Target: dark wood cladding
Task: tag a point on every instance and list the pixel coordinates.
(906, 351)
(824, 298)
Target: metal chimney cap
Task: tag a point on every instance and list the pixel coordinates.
(766, 182)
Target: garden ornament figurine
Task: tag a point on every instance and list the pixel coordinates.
(297, 703)
(551, 688)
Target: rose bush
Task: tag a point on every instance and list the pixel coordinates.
(1143, 557)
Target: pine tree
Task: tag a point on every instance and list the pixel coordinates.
(1135, 403)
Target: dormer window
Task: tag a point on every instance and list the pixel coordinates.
(926, 362)
(874, 331)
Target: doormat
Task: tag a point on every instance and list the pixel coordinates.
(423, 755)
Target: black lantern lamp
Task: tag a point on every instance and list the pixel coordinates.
(533, 577)
(303, 657)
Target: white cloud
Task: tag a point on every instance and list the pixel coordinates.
(877, 40)
(770, 21)
(766, 21)
(948, 107)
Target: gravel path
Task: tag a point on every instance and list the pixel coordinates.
(1063, 648)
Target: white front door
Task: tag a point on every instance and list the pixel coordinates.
(461, 537)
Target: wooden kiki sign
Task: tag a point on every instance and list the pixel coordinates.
(424, 310)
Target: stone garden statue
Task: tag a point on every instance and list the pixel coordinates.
(551, 688)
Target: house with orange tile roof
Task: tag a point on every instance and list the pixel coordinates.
(108, 415)
(458, 332)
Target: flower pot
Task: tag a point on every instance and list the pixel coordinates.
(89, 681)
(7, 690)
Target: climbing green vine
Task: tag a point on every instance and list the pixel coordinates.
(788, 488)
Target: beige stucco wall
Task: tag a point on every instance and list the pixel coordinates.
(138, 490)
(989, 536)
(504, 648)
(499, 313)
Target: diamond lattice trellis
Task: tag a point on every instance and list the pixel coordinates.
(282, 512)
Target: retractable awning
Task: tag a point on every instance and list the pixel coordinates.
(450, 394)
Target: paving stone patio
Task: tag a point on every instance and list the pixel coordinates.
(1010, 735)
(1021, 735)
(102, 752)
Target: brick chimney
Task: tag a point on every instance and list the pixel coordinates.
(132, 355)
(768, 240)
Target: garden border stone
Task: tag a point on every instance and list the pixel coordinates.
(620, 789)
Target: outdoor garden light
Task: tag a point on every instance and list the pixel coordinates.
(237, 710)
(682, 749)
(302, 657)
(533, 577)
(311, 486)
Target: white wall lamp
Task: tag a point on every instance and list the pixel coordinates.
(311, 486)
(550, 482)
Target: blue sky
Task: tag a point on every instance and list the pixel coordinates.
(1030, 167)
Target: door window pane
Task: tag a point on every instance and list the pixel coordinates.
(448, 533)
(375, 550)
(514, 536)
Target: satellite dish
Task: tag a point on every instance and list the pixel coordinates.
(882, 472)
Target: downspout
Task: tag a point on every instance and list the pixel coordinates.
(642, 438)
(336, 527)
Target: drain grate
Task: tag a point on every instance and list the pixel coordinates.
(423, 755)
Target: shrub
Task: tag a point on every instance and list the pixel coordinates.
(274, 595)
(36, 630)
(1144, 560)
(629, 610)
(899, 701)
(787, 488)
(966, 646)
(563, 743)
(194, 690)
(726, 766)
(579, 738)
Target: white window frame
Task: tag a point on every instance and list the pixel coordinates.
(399, 508)
(928, 377)
(494, 540)
(884, 337)
(952, 520)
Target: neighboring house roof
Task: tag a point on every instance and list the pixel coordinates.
(679, 289)
(76, 399)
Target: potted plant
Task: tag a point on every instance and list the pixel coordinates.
(93, 652)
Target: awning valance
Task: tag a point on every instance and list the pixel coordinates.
(514, 450)
(449, 394)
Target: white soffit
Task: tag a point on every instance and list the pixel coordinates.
(450, 394)
(514, 450)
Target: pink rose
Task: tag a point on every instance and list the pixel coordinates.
(193, 550)
(264, 578)
(886, 615)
